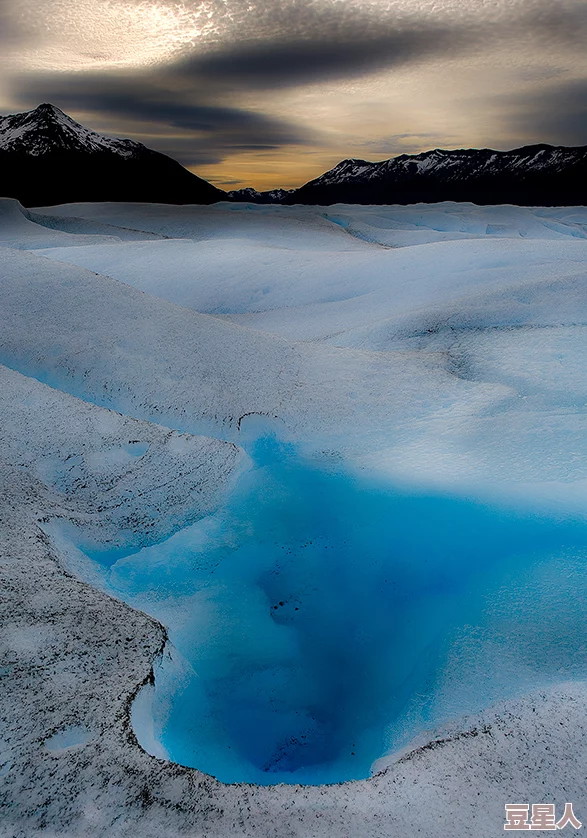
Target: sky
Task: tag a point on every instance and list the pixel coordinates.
(270, 93)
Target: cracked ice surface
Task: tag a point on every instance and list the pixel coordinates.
(434, 348)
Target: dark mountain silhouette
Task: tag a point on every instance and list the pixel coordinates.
(47, 158)
(538, 175)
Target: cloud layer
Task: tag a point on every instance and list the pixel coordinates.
(207, 80)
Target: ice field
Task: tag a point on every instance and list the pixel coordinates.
(339, 455)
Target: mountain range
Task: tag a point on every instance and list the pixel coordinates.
(47, 158)
(536, 175)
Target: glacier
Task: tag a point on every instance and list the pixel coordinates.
(214, 416)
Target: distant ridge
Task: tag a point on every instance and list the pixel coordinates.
(252, 196)
(48, 158)
(536, 175)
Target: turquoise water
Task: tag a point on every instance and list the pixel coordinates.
(323, 619)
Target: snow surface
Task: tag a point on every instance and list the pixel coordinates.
(439, 348)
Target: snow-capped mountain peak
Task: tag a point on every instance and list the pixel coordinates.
(46, 129)
(346, 171)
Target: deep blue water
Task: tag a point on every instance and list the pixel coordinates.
(322, 619)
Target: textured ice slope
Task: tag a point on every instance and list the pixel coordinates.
(121, 477)
(270, 274)
(331, 294)
(117, 347)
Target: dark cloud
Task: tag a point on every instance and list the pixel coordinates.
(264, 64)
(557, 114)
(305, 42)
(170, 119)
(563, 23)
(295, 22)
